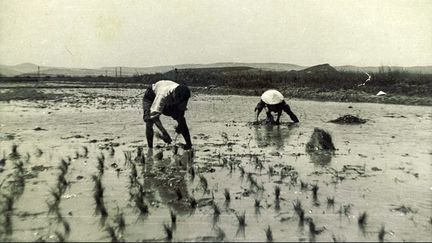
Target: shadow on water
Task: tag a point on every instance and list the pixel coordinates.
(273, 135)
(167, 178)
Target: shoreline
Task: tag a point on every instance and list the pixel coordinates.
(314, 94)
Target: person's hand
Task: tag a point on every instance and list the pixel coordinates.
(187, 147)
(167, 139)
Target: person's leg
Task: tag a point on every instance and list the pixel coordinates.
(279, 113)
(149, 133)
(146, 117)
(270, 118)
(287, 109)
(184, 131)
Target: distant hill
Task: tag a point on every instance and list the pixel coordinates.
(322, 68)
(30, 69)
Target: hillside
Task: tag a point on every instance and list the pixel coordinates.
(29, 69)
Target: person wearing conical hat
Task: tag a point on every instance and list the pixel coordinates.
(273, 101)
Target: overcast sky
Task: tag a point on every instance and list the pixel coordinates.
(84, 33)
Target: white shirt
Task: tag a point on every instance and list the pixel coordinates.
(163, 90)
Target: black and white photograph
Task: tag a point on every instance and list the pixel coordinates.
(215, 120)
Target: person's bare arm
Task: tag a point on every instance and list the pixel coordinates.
(166, 137)
(259, 107)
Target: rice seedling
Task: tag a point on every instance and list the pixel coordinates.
(257, 203)
(227, 195)
(56, 195)
(85, 155)
(241, 218)
(60, 236)
(193, 203)
(277, 205)
(299, 210)
(179, 194)
(242, 171)
(192, 173)
(159, 155)
(119, 220)
(104, 213)
(330, 202)
(277, 193)
(173, 217)
(128, 158)
(52, 207)
(7, 224)
(63, 167)
(231, 166)
(315, 189)
(346, 209)
(8, 203)
(101, 164)
(66, 227)
(220, 234)
(112, 234)
(14, 155)
(168, 232)
(216, 210)
(381, 234)
(39, 152)
(335, 239)
(313, 230)
(97, 180)
(362, 220)
(19, 168)
(134, 173)
(62, 184)
(140, 204)
(204, 183)
(253, 182)
(139, 151)
(111, 151)
(269, 234)
(8, 212)
(3, 161)
(303, 185)
(271, 170)
(27, 158)
(224, 162)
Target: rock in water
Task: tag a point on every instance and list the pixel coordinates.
(320, 141)
(348, 119)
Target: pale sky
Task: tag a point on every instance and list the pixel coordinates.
(84, 33)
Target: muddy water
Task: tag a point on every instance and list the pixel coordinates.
(382, 167)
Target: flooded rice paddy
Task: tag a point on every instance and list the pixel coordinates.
(80, 171)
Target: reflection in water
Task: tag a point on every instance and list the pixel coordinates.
(320, 159)
(271, 135)
(166, 178)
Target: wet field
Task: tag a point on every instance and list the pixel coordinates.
(81, 171)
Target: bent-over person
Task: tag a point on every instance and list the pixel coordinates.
(168, 98)
(273, 101)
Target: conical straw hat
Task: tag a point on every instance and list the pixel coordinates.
(272, 97)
